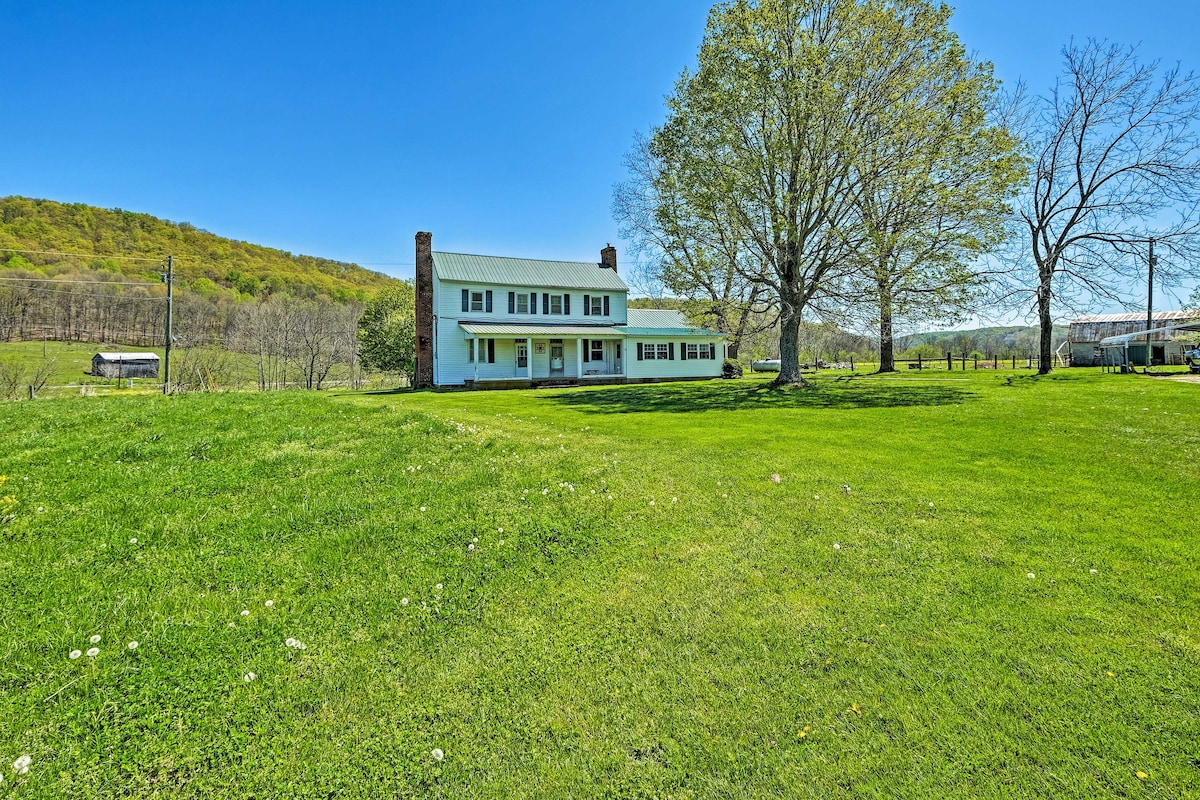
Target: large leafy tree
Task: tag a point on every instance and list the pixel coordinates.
(762, 154)
(387, 330)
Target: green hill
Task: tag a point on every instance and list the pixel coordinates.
(104, 239)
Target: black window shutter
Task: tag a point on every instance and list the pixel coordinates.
(491, 351)
(639, 351)
(533, 302)
(587, 350)
(545, 302)
(466, 300)
(670, 351)
(606, 305)
(512, 302)
(587, 305)
(566, 304)
(487, 303)
(712, 351)
(683, 351)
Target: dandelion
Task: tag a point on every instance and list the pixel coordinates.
(301, 646)
(269, 603)
(854, 707)
(249, 676)
(290, 642)
(21, 765)
(470, 548)
(501, 543)
(94, 639)
(133, 540)
(437, 754)
(846, 488)
(1031, 576)
(775, 477)
(1110, 673)
(723, 494)
(674, 499)
(931, 505)
(816, 497)
(837, 546)
(475, 540)
(1094, 571)
(438, 587)
(422, 508)
(802, 734)
(1141, 775)
(93, 652)
(41, 509)
(245, 612)
(75, 654)
(499, 530)
(132, 645)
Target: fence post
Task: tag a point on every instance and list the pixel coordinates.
(919, 367)
(964, 362)
(975, 359)
(949, 361)
(1014, 362)
(30, 392)
(852, 363)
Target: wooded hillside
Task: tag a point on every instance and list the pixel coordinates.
(203, 260)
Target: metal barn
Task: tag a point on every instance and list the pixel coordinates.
(1086, 332)
(125, 365)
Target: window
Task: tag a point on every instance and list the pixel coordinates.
(652, 352)
(522, 303)
(664, 352)
(597, 304)
(556, 304)
(597, 353)
(487, 350)
(477, 301)
(691, 351)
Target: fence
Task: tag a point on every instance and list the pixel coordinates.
(965, 361)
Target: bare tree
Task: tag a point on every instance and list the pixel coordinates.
(1116, 166)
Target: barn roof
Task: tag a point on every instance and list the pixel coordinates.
(1125, 338)
(128, 356)
(1159, 316)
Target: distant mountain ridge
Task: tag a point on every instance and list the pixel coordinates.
(105, 238)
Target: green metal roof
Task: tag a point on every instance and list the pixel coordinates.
(672, 332)
(662, 322)
(530, 272)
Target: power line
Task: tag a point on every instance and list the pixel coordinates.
(79, 255)
(121, 298)
(72, 280)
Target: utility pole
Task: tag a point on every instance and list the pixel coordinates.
(169, 277)
(1150, 304)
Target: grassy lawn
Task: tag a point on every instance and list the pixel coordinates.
(937, 585)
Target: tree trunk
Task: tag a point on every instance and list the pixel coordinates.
(789, 340)
(887, 351)
(1045, 323)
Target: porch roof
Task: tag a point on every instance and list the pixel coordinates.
(541, 331)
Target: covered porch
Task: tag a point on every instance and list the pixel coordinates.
(544, 354)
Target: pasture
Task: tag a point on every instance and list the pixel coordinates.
(936, 585)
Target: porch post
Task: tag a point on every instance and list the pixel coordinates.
(529, 358)
(579, 359)
(475, 358)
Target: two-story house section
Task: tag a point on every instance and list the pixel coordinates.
(490, 321)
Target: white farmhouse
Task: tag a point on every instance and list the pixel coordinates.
(493, 322)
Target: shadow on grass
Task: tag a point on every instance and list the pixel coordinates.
(737, 396)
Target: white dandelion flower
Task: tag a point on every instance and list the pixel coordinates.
(21, 765)
(132, 645)
(438, 587)
(437, 754)
(249, 676)
(133, 540)
(75, 654)
(1031, 576)
(245, 612)
(775, 478)
(1094, 571)
(41, 509)
(93, 652)
(422, 508)
(931, 505)
(290, 642)
(816, 497)
(269, 603)
(94, 638)
(674, 499)
(470, 547)
(301, 646)
(403, 601)
(475, 540)
(837, 546)
(724, 494)
(499, 530)
(651, 502)
(501, 542)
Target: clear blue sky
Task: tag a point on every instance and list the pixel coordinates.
(339, 130)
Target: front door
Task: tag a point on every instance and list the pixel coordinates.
(556, 359)
(522, 358)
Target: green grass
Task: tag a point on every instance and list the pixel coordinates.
(609, 647)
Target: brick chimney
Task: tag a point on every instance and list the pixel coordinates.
(424, 289)
(608, 257)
